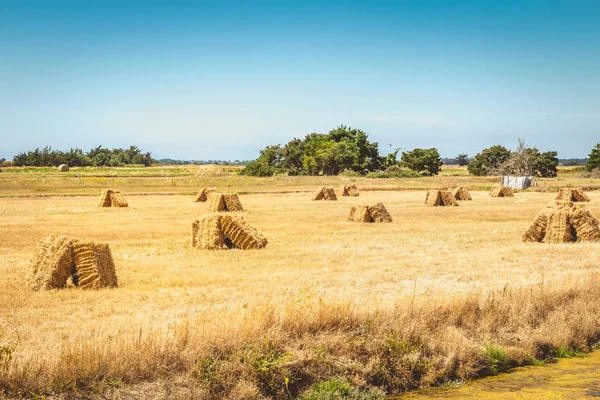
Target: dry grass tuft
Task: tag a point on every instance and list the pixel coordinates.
(202, 195)
(350, 190)
(460, 193)
(501, 191)
(571, 194)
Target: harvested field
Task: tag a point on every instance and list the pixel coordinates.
(178, 312)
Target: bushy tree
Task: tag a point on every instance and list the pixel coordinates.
(523, 161)
(47, 157)
(462, 159)
(488, 161)
(342, 149)
(594, 158)
(424, 161)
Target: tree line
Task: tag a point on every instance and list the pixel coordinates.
(348, 151)
(75, 157)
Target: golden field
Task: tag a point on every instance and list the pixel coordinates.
(395, 306)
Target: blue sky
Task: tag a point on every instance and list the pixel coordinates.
(223, 79)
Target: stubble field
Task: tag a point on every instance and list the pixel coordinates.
(396, 306)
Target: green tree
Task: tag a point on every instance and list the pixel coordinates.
(267, 164)
(594, 158)
(425, 161)
(462, 159)
(488, 161)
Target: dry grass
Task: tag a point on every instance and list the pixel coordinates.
(402, 312)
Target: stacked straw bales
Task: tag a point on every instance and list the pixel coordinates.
(375, 213)
(563, 222)
(202, 195)
(223, 202)
(436, 198)
(501, 191)
(59, 259)
(214, 231)
(110, 198)
(324, 193)
(63, 168)
(350, 190)
(571, 194)
(460, 193)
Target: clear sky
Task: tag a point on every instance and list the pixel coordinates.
(222, 79)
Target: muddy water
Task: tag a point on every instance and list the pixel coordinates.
(573, 378)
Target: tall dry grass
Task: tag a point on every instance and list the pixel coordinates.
(400, 305)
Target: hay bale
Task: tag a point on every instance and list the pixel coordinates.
(572, 194)
(240, 234)
(63, 168)
(94, 265)
(232, 202)
(105, 198)
(379, 213)
(215, 202)
(207, 233)
(350, 190)
(501, 191)
(360, 214)
(53, 263)
(318, 194)
(448, 199)
(559, 229)
(118, 200)
(202, 195)
(433, 198)
(587, 227)
(329, 194)
(460, 193)
(537, 230)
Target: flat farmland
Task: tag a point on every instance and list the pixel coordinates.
(324, 299)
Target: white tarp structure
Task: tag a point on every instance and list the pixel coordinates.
(518, 182)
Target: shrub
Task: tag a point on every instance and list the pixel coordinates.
(335, 389)
(497, 359)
